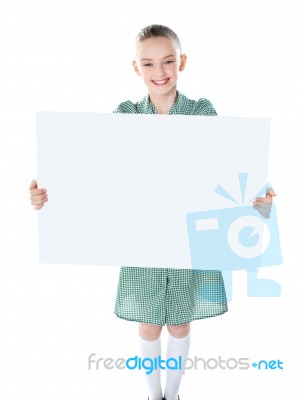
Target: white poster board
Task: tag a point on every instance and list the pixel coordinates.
(121, 187)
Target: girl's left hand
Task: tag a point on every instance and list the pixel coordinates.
(264, 204)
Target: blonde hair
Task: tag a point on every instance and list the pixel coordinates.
(157, 31)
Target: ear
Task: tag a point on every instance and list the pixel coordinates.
(135, 67)
(182, 62)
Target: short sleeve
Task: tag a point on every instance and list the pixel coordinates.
(204, 107)
(127, 107)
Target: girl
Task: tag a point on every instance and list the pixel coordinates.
(155, 297)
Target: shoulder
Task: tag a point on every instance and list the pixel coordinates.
(198, 107)
(128, 107)
(204, 107)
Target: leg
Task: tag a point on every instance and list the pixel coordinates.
(179, 331)
(150, 347)
(149, 331)
(178, 345)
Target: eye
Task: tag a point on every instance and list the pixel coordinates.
(169, 61)
(147, 65)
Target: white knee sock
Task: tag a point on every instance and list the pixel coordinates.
(176, 347)
(152, 349)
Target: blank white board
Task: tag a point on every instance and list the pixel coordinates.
(120, 186)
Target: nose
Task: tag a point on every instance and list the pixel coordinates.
(159, 71)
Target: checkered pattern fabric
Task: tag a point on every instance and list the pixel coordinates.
(168, 295)
(183, 106)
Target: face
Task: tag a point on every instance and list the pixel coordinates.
(158, 61)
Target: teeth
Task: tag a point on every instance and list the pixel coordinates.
(160, 82)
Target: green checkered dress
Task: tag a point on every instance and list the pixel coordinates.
(167, 295)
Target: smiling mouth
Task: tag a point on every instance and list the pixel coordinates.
(161, 82)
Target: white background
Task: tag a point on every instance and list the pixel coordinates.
(76, 56)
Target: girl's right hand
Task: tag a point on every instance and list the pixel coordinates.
(38, 197)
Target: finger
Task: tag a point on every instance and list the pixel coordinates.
(34, 188)
(38, 192)
(38, 202)
(39, 196)
(38, 207)
(265, 200)
(264, 205)
(33, 184)
(270, 192)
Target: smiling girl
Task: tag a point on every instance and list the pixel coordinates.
(157, 297)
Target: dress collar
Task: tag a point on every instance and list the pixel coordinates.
(150, 109)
